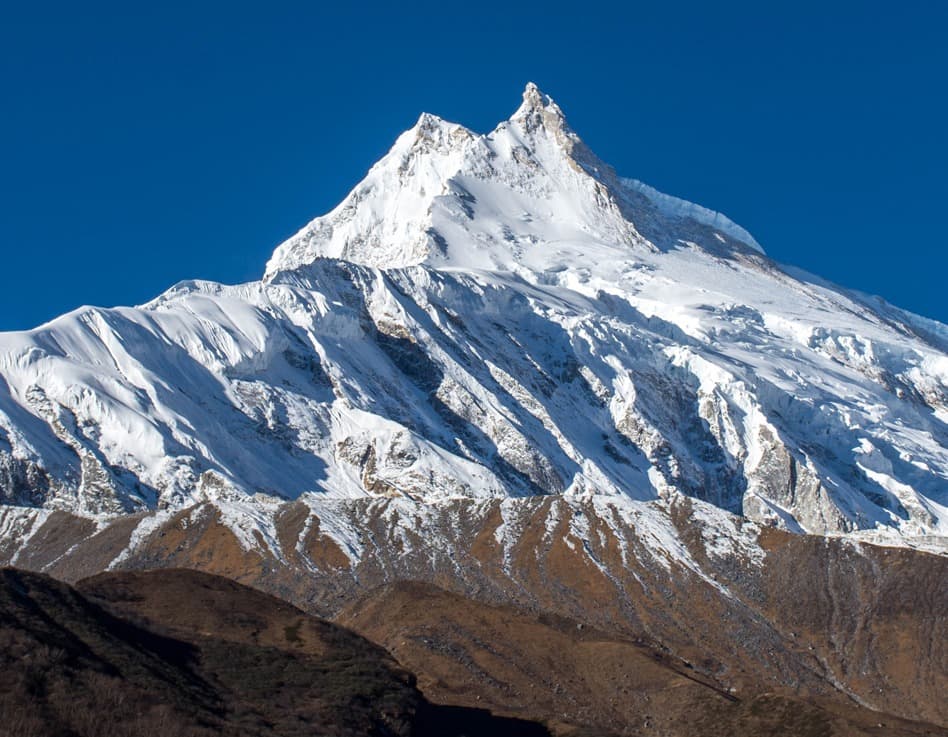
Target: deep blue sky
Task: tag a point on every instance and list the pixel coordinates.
(142, 146)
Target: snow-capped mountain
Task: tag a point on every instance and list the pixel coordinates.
(495, 316)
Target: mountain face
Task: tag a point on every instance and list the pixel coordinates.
(500, 368)
(492, 316)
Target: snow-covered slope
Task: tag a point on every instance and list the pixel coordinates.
(493, 315)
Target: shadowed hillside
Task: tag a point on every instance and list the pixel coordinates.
(179, 653)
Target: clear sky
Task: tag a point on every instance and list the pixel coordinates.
(144, 145)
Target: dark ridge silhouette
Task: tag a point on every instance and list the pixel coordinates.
(182, 654)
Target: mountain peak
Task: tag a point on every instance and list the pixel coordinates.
(437, 335)
(533, 96)
(446, 195)
(428, 122)
(538, 109)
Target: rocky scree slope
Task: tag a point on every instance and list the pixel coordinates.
(582, 680)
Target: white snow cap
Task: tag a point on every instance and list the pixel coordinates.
(450, 198)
